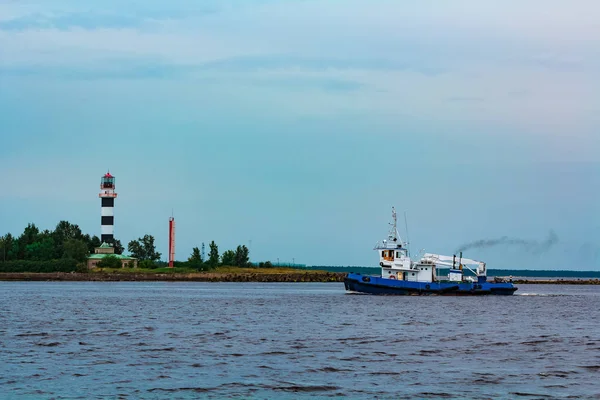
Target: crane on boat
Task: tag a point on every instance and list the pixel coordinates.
(450, 261)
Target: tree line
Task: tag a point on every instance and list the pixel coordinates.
(67, 248)
(240, 257)
(66, 241)
(145, 251)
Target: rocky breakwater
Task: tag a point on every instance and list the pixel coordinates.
(557, 281)
(311, 276)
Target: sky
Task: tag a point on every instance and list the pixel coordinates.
(294, 126)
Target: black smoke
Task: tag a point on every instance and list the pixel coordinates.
(531, 246)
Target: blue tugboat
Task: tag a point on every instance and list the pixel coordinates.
(402, 276)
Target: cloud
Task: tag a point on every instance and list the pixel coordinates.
(122, 70)
(64, 14)
(465, 99)
(71, 20)
(127, 71)
(229, 34)
(80, 47)
(276, 67)
(290, 60)
(458, 63)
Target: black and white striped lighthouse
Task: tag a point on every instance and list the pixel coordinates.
(107, 195)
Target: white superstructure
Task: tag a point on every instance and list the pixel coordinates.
(396, 263)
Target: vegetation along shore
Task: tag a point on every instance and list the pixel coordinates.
(68, 249)
(61, 254)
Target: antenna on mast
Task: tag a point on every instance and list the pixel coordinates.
(407, 238)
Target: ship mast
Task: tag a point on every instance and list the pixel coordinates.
(393, 235)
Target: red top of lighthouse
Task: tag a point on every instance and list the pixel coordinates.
(107, 182)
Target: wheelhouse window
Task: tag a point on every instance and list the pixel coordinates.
(387, 255)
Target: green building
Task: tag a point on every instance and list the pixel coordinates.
(106, 249)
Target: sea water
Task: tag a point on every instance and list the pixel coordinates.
(250, 340)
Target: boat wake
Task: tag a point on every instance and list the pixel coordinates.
(541, 294)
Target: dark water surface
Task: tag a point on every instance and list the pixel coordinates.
(250, 340)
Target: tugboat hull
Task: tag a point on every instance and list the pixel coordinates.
(358, 283)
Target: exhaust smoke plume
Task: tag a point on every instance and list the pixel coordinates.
(531, 246)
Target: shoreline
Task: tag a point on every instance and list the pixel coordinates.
(307, 276)
(173, 277)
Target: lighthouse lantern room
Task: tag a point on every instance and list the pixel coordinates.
(107, 195)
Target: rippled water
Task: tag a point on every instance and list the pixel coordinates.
(215, 340)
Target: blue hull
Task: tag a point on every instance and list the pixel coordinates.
(377, 285)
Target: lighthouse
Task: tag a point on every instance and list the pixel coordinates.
(107, 196)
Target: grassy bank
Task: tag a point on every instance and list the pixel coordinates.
(187, 271)
(221, 274)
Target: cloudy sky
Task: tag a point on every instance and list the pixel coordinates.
(294, 126)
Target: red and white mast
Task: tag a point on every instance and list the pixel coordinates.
(171, 241)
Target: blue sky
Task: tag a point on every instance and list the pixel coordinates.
(296, 125)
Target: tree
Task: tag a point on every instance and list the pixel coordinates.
(110, 261)
(40, 250)
(29, 236)
(242, 258)
(152, 254)
(12, 247)
(75, 249)
(95, 242)
(213, 254)
(64, 231)
(147, 264)
(116, 244)
(196, 256)
(144, 249)
(92, 242)
(6, 246)
(136, 249)
(195, 259)
(228, 258)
